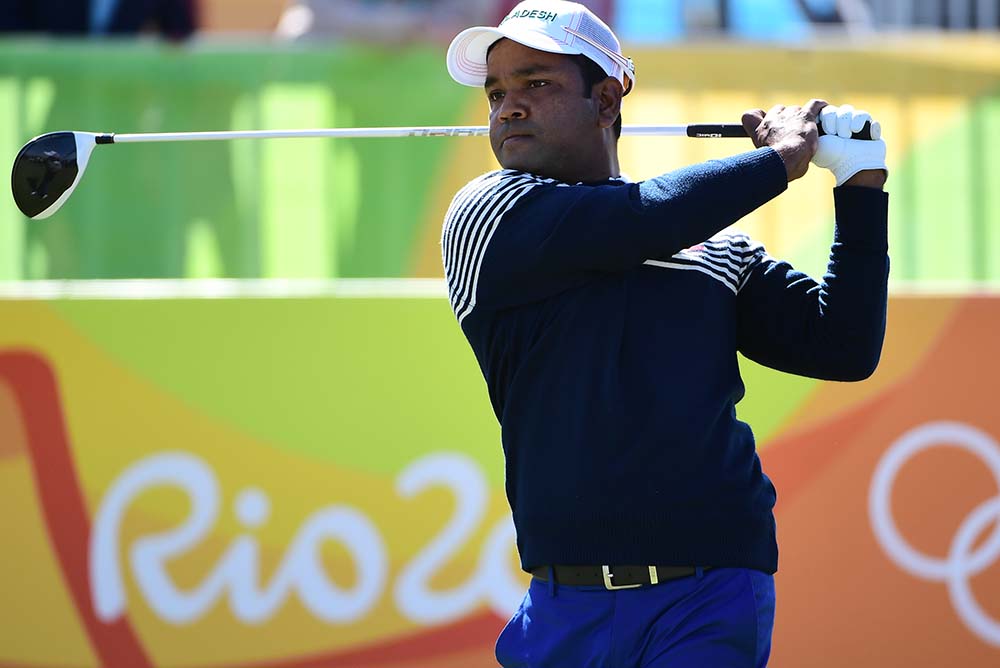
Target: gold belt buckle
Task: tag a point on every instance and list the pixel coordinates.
(606, 570)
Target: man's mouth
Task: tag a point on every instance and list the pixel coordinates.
(514, 138)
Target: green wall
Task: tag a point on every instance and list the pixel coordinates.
(289, 208)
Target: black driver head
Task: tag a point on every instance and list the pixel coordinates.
(43, 170)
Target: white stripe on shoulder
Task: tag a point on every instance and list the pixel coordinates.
(728, 258)
(750, 252)
(728, 282)
(469, 224)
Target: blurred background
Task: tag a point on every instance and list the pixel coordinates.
(239, 425)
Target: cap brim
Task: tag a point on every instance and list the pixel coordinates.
(467, 52)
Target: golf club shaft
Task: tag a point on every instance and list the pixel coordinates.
(699, 130)
(48, 168)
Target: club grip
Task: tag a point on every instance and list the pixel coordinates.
(864, 133)
(717, 130)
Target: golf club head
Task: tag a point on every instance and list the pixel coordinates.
(48, 169)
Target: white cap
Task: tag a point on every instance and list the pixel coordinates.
(547, 25)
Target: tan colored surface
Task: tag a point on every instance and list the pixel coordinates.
(240, 15)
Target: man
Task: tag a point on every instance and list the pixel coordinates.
(606, 317)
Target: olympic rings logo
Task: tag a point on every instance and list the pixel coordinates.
(962, 562)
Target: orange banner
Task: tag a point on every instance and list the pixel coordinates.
(889, 507)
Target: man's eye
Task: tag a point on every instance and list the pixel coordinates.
(494, 96)
(537, 83)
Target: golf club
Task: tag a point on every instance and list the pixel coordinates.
(49, 167)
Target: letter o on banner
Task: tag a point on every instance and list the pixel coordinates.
(355, 532)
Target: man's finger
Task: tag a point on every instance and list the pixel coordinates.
(859, 120)
(844, 115)
(828, 119)
(752, 118)
(813, 108)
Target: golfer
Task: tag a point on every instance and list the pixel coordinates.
(606, 317)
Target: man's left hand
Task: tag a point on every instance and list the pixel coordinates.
(853, 161)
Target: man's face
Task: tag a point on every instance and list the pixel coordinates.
(540, 122)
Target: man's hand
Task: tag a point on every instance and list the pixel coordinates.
(854, 162)
(791, 131)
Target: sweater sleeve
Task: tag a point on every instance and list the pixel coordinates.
(512, 238)
(833, 329)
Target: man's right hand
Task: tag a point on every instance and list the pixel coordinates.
(791, 131)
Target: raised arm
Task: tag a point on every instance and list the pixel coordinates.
(832, 329)
(511, 238)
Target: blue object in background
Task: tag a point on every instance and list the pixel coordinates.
(649, 20)
(767, 20)
(101, 13)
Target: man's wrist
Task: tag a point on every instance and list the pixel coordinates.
(868, 178)
(796, 156)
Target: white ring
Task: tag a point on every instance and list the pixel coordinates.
(945, 434)
(960, 564)
(962, 598)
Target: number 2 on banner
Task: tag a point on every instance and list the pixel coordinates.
(491, 580)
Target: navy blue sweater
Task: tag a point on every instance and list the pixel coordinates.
(606, 319)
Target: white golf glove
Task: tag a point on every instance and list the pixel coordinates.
(842, 155)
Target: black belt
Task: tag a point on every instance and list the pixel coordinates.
(614, 577)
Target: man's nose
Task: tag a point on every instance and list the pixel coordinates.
(512, 107)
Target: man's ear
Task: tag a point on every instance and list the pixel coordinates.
(609, 95)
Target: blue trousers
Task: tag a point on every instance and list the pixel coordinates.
(720, 618)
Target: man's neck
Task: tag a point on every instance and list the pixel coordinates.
(604, 170)
(616, 171)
